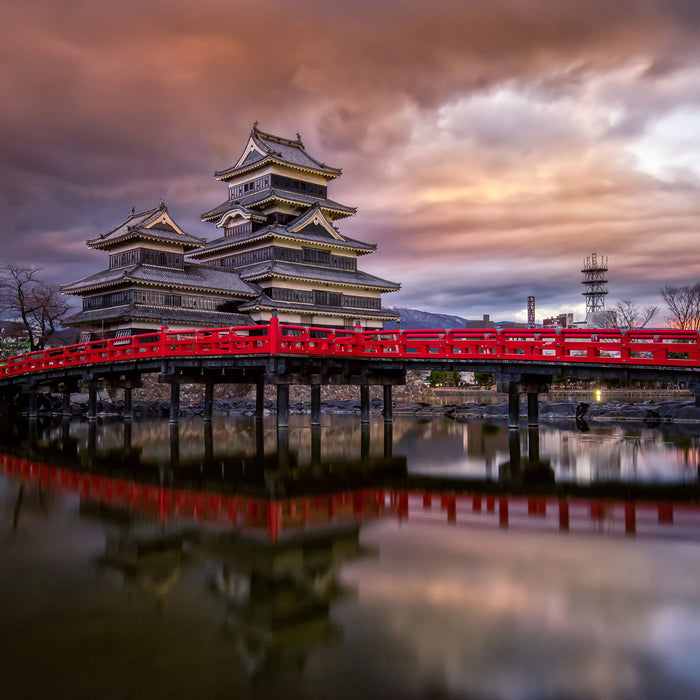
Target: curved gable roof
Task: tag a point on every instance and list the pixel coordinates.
(262, 147)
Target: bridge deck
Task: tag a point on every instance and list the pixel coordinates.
(657, 353)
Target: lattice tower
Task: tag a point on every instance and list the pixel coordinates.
(594, 269)
(531, 312)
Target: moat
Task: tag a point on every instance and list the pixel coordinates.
(145, 560)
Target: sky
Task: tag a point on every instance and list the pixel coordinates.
(488, 145)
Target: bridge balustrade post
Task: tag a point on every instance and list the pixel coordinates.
(274, 331)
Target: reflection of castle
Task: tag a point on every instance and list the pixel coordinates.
(277, 595)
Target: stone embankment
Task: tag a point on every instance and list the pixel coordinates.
(680, 411)
(550, 411)
(152, 400)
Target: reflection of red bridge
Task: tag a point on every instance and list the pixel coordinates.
(277, 518)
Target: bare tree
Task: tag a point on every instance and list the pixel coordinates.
(625, 314)
(605, 318)
(49, 307)
(36, 307)
(684, 305)
(630, 315)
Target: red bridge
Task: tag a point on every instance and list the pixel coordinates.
(284, 355)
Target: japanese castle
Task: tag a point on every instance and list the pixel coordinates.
(278, 250)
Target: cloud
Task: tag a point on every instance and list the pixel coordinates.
(484, 136)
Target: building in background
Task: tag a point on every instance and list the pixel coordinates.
(560, 321)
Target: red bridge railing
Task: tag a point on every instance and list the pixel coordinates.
(661, 347)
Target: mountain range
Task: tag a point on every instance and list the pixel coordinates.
(416, 320)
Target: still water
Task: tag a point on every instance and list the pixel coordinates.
(228, 560)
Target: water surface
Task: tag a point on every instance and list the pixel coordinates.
(142, 595)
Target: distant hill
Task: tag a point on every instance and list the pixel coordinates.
(417, 320)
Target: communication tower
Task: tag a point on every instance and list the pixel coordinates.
(531, 312)
(594, 269)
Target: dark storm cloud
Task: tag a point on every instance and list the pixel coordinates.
(498, 130)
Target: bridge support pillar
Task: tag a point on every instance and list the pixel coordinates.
(126, 436)
(364, 441)
(208, 401)
(315, 444)
(533, 443)
(92, 438)
(174, 441)
(513, 405)
(65, 406)
(174, 402)
(283, 447)
(514, 449)
(282, 405)
(364, 403)
(388, 403)
(315, 404)
(259, 398)
(388, 439)
(533, 408)
(259, 439)
(208, 443)
(33, 403)
(696, 391)
(128, 408)
(92, 400)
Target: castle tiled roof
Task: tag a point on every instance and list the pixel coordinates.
(276, 268)
(259, 199)
(279, 231)
(263, 302)
(135, 312)
(154, 224)
(266, 147)
(194, 276)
